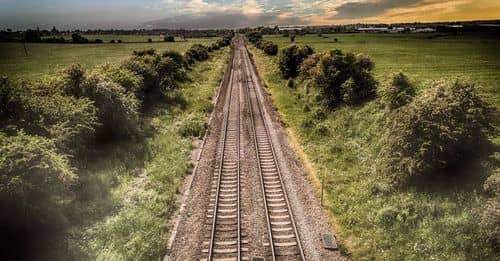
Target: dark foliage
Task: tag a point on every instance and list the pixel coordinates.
(169, 38)
(197, 52)
(291, 58)
(399, 93)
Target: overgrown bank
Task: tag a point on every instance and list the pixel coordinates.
(92, 159)
(344, 140)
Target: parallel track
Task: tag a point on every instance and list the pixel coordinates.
(225, 241)
(284, 239)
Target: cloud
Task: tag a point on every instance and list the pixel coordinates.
(233, 19)
(350, 10)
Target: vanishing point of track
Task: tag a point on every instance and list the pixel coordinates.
(224, 218)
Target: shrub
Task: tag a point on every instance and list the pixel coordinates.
(98, 41)
(197, 52)
(127, 79)
(176, 56)
(292, 38)
(119, 41)
(169, 38)
(146, 70)
(215, 47)
(270, 48)
(77, 38)
(492, 184)
(290, 83)
(34, 176)
(291, 58)
(192, 126)
(307, 66)
(399, 93)
(438, 130)
(490, 223)
(149, 51)
(150, 40)
(344, 78)
(112, 41)
(254, 37)
(115, 106)
(10, 103)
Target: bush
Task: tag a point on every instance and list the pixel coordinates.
(115, 106)
(146, 70)
(197, 52)
(149, 51)
(112, 41)
(290, 83)
(399, 93)
(33, 177)
(291, 58)
(308, 65)
(254, 37)
(125, 78)
(492, 184)
(215, 47)
(270, 48)
(192, 126)
(77, 38)
(169, 38)
(490, 223)
(437, 131)
(344, 78)
(176, 56)
(150, 40)
(98, 41)
(10, 101)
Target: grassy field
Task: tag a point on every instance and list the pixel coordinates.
(373, 220)
(424, 57)
(48, 58)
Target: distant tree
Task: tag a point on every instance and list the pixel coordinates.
(292, 38)
(336, 40)
(54, 31)
(169, 38)
(77, 38)
(119, 41)
(32, 36)
(112, 41)
(150, 40)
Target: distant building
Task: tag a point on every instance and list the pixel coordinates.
(424, 30)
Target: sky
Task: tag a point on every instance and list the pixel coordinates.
(203, 14)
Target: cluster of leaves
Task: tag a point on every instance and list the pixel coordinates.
(342, 78)
(291, 59)
(437, 131)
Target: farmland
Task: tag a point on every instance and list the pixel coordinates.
(49, 58)
(373, 220)
(425, 57)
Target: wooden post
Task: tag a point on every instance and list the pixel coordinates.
(322, 188)
(25, 50)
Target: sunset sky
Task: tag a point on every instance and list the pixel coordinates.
(84, 14)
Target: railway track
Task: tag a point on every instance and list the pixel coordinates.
(225, 239)
(283, 237)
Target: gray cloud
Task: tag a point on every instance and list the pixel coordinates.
(352, 10)
(222, 20)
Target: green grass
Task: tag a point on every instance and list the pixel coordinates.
(473, 56)
(49, 58)
(131, 187)
(373, 220)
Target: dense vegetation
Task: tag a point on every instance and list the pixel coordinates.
(404, 170)
(50, 130)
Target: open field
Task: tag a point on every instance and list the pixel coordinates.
(48, 58)
(437, 221)
(424, 57)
